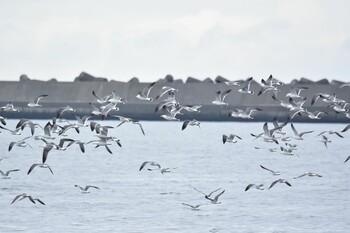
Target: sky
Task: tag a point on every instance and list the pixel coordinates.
(120, 40)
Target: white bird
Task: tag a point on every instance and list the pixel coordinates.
(101, 100)
(311, 174)
(6, 175)
(299, 136)
(192, 123)
(150, 163)
(275, 173)
(116, 99)
(129, 120)
(246, 87)
(9, 108)
(257, 186)
(35, 103)
(85, 190)
(167, 170)
(279, 181)
(295, 92)
(144, 94)
(193, 207)
(62, 110)
(208, 196)
(220, 98)
(215, 200)
(244, 114)
(230, 138)
(20, 143)
(167, 90)
(42, 165)
(192, 108)
(22, 196)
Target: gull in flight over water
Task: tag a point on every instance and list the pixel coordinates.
(257, 186)
(192, 123)
(214, 200)
(279, 181)
(150, 163)
(325, 141)
(129, 120)
(6, 175)
(275, 173)
(193, 207)
(299, 136)
(311, 174)
(85, 190)
(42, 165)
(230, 138)
(22, 196)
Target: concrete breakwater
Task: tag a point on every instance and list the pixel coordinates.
(78, 94)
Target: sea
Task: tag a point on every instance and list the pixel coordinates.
(130, 200)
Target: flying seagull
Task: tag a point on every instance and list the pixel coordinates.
(279, 181)
(86, 188)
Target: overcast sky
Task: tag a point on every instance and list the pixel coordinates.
(150, 39)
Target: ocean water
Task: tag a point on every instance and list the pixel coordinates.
(130, 200)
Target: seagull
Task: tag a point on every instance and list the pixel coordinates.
(20, 143)
(259, 186)
(230, 138)
(244, 114)
(167, 170)
(193, 207)
(35, 103)
(325, 140)
(42, 165)
(308, 174)
(61, 110)
(295, 92)
(246, 87)
(207, 196)
(6, 175)
(192, 108)
(116, 99)
(279, 181)
(275, 173)
(102, 130)
(25, 122)
(82, 120)
(215, 200)
(164, 90)
(299, 136)
(192, 123)
(129, 120)
(150, 163)
(267, 135)
(22, 196)
(331, 132)
(315, 115)
(47, 132)
(220, 98)
(9, 108)
(85, 190)
(17, 131)
(101, 100)
(144, 95)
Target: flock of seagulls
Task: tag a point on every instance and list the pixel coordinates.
(169, 108)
